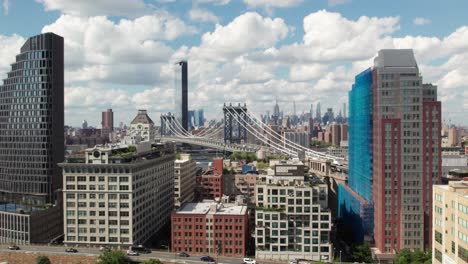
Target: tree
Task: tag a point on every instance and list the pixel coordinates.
(362, 253)
(417, 256)
(151, 261)
(42, 260)
(113, 257)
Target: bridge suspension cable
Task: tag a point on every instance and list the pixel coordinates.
(260, 136)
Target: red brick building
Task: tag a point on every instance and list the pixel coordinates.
(200, 228)
(211, 183)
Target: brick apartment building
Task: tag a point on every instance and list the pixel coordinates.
(203, 228)
(211, 183)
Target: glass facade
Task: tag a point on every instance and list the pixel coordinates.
(355, 199)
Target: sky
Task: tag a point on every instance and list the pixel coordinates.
(120, 54)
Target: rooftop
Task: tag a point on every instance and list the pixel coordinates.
(142, 117)
(212, 207)
(395, 58)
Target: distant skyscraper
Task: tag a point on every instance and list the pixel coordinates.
(311, 111)
(345, 111)
(191, 119)
(32, 141)
(318, 113)
(276, 109)
(107, 122)
(181, 93)
(84, 124)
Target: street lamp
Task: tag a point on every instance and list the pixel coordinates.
(340, 256)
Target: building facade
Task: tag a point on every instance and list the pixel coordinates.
(211, 183)
(117, 196)
(450, 218)
(32, 139)
(292, 218)
(142, 127)
(184, 182)
(181, 96)
(406, 152)
(300, 138)
(209, 227)
(107, 122)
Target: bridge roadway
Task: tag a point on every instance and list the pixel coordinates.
(164, 256)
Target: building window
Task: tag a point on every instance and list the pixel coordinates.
(438, 237)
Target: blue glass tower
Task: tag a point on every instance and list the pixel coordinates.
(355, 199)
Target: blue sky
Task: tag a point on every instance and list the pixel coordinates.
(119, 52)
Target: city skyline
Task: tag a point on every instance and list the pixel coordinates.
(129, 69)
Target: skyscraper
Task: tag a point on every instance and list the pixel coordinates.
(318, 113)
(181, 93)
(32, 139)
(406, 151)
(107, 122)
(403, 139)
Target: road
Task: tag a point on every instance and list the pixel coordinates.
(84, 251)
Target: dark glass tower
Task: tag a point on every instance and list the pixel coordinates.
(32, 122)
(181, 93)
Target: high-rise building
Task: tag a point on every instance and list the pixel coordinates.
(404, 140)
(318, 114)
(199, 118)
(211, 183)
(454, 136)
(181, 93)
(450, 219)
(191, 119)
(292, 218)
(300, 138)
(118, 195)
(32, 142)
(184, 185)
(107, 122)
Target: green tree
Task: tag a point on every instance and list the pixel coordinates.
(132, 149)
(406, 256)
(362, 253)
(42, 260)
(177, 156)
(113, 257)
(151, 261)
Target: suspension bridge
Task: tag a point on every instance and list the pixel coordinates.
(232, 136)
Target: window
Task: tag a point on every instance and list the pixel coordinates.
(438, 237)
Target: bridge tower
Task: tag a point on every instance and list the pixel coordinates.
(234, 128)
(167, 122)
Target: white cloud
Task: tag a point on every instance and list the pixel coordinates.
(202, 15)
(6, 7)
(246, 32)
(272, 3)
(420, 21)
(306, 72)
(10, 47)
(215, 2)
(338, 2)
(100, 7)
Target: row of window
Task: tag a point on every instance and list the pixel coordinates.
(110, 196)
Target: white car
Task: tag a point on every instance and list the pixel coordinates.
(249, 261)
(132, 253)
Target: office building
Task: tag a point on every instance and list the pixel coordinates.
(454, 136)
(117, 195)
(142, 128)
(211, 228)
(450, 220)
(181, 94)
(184, 185)
(107, 122)
(292, 218)
(32, 142)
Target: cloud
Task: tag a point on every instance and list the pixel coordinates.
(6, 7)
(338, 2)
(273, 3)
(202, 15)
(10, 47)
(246, 32)
(421, 21)
(96, 8)
(215, 2)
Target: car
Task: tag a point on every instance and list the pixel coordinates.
(207, 259)
(104, 248)
(132, 253)
(13, 247)
(140, 249)
(249, 261)
(71, 250)
(183, 254)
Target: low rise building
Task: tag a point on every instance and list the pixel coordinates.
(184, 185)
(450, 223)
(117, 195)
(210, 227)
(292, 216)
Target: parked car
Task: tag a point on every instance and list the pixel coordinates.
(104, 248)
(71, 250)
(140, 249)
(132, 253)
(183, 254)
(13, 247)
(207, 259)
(249, 261)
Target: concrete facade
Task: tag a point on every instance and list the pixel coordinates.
(184, 181)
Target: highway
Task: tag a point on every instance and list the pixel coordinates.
(84, 251)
